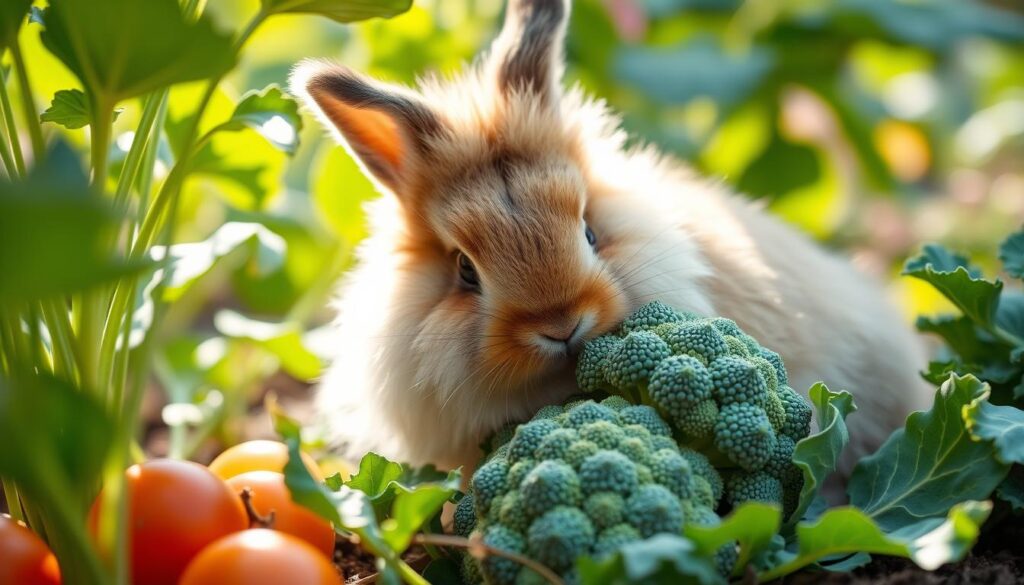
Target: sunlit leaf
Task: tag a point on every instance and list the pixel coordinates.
(340, 10)
(383, 480)
(751, 525)
(284, 340)
(818, 454)
(1003, 426)
(340, 189)
(272, 114)
(12, 14)
(951, 275)
(70, 109)
(151, 46)
(782, 167)
(663, 559)
(1011, 252)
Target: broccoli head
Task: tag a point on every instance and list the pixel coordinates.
(586, 481)
(724, 397)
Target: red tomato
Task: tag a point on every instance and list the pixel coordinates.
(257, 456)
(260, 557)
(24, 557)
(269, 493)
(176, 509)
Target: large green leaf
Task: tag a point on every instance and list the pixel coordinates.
(782, 167)
(663, 559)
(124, 48)
(817, 455)
(752, 526)
(931, 465)
(956, 280)
(1003, 426)
(272, 114)
(12, 14)
(70, 108)
(383, 480)
(54, 233)
(340, 10)
(284, 340)
(1011, 252)
(848, 531)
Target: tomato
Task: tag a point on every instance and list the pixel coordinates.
(176, 509)
(257, 456)
(260, 557)
(24, 557)
(269, 493)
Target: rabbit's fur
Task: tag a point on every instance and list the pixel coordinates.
(504, 166)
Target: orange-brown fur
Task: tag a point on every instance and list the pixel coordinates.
(505, 167)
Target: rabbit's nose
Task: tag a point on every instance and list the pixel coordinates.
(561, 333)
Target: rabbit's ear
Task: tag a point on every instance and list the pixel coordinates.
(386, 127)
(527, 55)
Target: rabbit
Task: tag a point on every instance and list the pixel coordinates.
(515, 225)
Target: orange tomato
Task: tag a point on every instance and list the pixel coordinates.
(24, 557)
(270, 494)
(176, 509)
(257, 456)
(260, 557)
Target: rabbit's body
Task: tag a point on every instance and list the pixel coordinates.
(477, 283)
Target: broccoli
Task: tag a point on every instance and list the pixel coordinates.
(584, 482)
(725, 398)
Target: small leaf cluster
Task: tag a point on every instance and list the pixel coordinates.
(722, 393)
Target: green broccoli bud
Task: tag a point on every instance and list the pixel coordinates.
(465, 516)
(604, 509)
(469, 570)
(757, 486)
(633, 362)
(669, 469)
(615, 403)
(701, 515)
(511, 512)
(550, 411)
(767, 371)
(613, 538)
(698, 421)
(650, 316)
(592, 364)
(587, 413)
(726, 557)
(578, 453)
(549, 484)
(517, 472)
(653, 509)
(602, 433)
(497, 569)
(658, 443)
(560, 536)
(697, 339)
(488, 482)
(557, 444)
(644, 475)
(736, 347)
(738, 381)
(646, 417)
(678, 383)
(776, 361)
(745, 435)
(798, 414)
(776, 411)
(608, 471)
(636, 450)
(528, 437)
(703, 468)
(637, 432)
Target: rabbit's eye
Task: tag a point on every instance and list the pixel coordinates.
(591, 238)
(467, 272)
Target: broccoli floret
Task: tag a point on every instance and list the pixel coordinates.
(549, 484)
(602, 433)
(465, 516)
(615, 403)
(697, 339)
(528, 437)
(578, 453)
(644, 475)
(608, 471)
(776, 361)
(593, 360)
(559, 536)
(767, 372)
(589, 412)
(698, 421)
(658, 443)
(744, 435)
(798, 414)
(678, 384)
(611, 539)
(726, 557)
(781, 467)
(469, 570)
(557, 444)
(604, 509)
(653, 509)
(757, 486)
(636, 450)
(737, 381)
(703, 468)
(646, 417)
(672, 471)
(633, 362)
(488, 482)
(650, 316)
(499, 569)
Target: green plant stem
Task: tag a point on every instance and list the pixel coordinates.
(28, 104)
(12, 130)
(13, 501)
(145, 179)
(55, 315)
(5, 151)
(144, 133)
(460, 542)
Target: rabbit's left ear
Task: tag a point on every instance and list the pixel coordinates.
(527, 55)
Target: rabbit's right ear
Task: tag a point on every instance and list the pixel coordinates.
(386, 127)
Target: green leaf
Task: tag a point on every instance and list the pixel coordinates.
(383, 480)
(70, 108)
(1011, 490)
(339, 190)
(817, 455)
(54, 233)
(1011, 252)
(339, 10)
(284, 340)
(847, 530)
(960, 335)
(152, 45)
(950, 274)
(931, 465)
(414, 509)
(783, 167)
(752, 525)
(1003, 426)
(12, 14)
(272, 114)
(663, 559)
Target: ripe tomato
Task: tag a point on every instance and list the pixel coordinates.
(260, 557)
(24, 557)
(176, 509)
(257, 456)
(269, 493)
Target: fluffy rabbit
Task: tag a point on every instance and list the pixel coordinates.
(516, 226)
